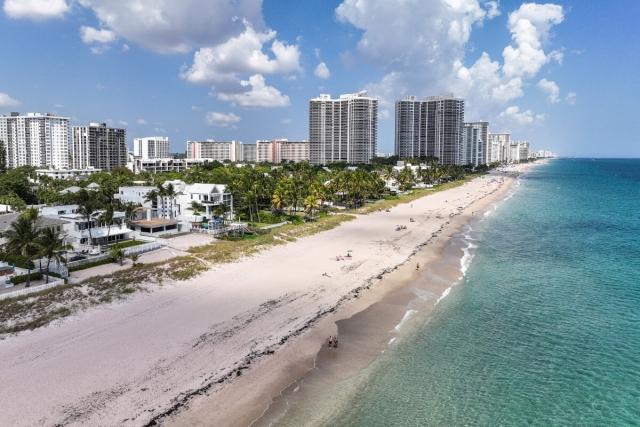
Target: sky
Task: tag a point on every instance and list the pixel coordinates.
(562, 75)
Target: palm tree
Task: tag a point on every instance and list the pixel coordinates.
(106, 217)
(50, 244)
(170, 193)
(197, 208)
(117, 254)
(22, 238)
(311, 204)
(87, 208)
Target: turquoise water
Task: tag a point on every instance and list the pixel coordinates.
(545, 327)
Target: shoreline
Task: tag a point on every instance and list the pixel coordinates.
(369, 321)
(193, 350)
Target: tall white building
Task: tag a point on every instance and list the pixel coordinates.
(35, 139)
(432, 127)
(499, 144)
(282, 150)
(477, 150)
(344, 129)
(229, 151)
(98, 146)
(151, 147)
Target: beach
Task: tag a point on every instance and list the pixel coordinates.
(219, 348)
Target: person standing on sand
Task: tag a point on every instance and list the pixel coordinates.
(418, 266)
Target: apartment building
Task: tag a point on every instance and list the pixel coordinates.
(151, 147)
(222, 151)
(343, 129)
(499, 143)
(282, 150)
(35, 139)
(432, 127)
(98, 146)
(477, 150)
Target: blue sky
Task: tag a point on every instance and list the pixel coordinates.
(245, 69)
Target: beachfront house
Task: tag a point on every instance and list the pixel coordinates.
(84, 233)
(42, 222)
(181, 207)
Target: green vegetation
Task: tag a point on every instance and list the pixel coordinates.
(90, 265)
(311, 198)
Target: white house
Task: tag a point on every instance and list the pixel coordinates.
(83, 233)
(172, 214)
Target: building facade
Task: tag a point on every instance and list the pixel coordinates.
(431, 128)
(152, 147)
(477, 150)
(222, 151)
(344, 129)
(165, 165)
(282, 150)
(98, 146)
(499, 147)
(35, 139)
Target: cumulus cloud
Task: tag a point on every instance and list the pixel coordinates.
(433, 61)
(322, 71)
(7, 102)
(170, 26)
(141, 121)
(514, 115)
(258, 95)
(550, 88)
(242, 54)
(91, 35)
(221, 119)
(36, 10)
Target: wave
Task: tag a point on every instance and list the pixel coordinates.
(444, 295)
(406, 317)
(467, 257)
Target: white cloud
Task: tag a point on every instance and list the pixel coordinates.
(550, 88)
(221, 119)
(529, 27)
(259, 94)
(123, 123)
(170, 26)
(195, 108)
(287, 121)
(90, 35)
(243, 54)
(125, 47)
(141, 121)
(322, 71)
(571, 98)
(6, 101)
(493, 9)
(37, 10)
(514, 115)
(432, 60)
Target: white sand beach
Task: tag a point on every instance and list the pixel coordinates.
(178, 347)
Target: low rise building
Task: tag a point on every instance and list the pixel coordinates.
(189, 206)
(222, 151)
(67, 173)
(86, 233)
(282, 150)
(167, 165)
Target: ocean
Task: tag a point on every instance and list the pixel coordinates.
(542, 329)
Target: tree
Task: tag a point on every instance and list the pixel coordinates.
(22, 237)
(106, 218)
(87, 207)
(117, 254)
(311, 204)
(134, 258)
(197, 208)
(50, 244)
(405, 179)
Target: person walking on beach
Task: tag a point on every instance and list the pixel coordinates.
(418, 266)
